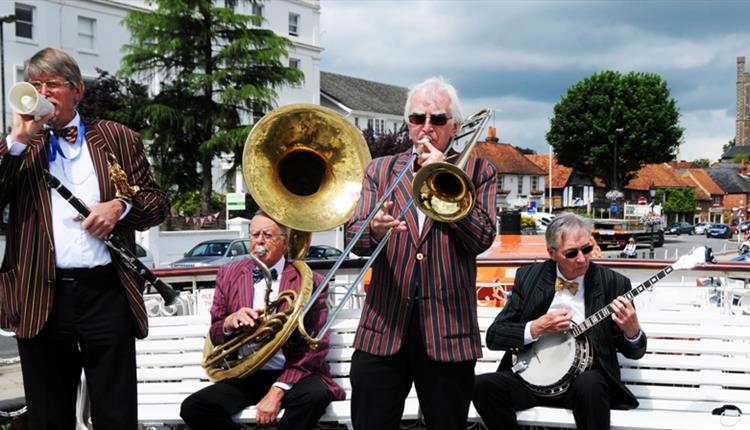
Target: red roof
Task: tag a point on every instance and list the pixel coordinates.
(560, 173)
(662, 175)
(705, 187)
(507, 159)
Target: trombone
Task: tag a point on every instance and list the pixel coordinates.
(445, 193)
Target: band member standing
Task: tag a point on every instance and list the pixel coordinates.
(70, 302)
(546, 298)
(419, 322)
(296, 378)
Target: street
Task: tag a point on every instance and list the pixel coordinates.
(676, 246)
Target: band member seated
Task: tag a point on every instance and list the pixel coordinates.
(297, 378)
(547, 297)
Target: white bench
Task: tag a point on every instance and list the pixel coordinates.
(695, 362)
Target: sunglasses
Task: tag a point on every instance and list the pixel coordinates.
(436, 119)
(573, 253)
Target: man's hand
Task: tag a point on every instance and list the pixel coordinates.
(383, 221)
(625, 317)
(103, 218)
(243, 317)
(268, 408)
(25, 127)
(554, 321)
(429, 154)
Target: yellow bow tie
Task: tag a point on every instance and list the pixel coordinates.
(561, 284)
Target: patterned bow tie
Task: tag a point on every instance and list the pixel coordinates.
(70, 134)
(258, 275)
(562, 284)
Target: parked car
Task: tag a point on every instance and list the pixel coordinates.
(146, 258)
(215, 253)
(701, 227)
(323, 252)
(679, 228)
(744, 226)
(719, 230)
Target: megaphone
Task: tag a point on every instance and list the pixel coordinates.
(25, 99)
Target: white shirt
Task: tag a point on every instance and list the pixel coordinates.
(259, 302)
(74, 246)
(563, 300)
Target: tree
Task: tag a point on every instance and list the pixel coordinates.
(701, 163)
(633, 112)
(109, 97)
(727, 146)
(388, 143)
(217, 69)
(677, 200)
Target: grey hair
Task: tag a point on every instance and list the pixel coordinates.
(429, 89)
(284, 229)
(565, 225)
(52, 61)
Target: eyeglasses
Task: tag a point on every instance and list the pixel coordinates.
(435, 119)
(51, 85)
(266, 235)
(573, 253)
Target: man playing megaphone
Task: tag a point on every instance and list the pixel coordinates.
(71, 303)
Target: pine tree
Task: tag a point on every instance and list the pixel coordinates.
(215, 68)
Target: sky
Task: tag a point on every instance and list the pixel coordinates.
(520, 57)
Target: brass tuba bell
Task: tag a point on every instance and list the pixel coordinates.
(304, 166)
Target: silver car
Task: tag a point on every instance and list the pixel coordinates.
(215, 253)
(701, 227)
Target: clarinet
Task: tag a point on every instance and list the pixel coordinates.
(114, 243)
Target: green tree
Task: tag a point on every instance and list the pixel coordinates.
(633, 112)
(727, 146)
(217, 69)
(677, 201)
(702, 163)
(109, 97)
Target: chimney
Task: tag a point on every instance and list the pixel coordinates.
(492, 135)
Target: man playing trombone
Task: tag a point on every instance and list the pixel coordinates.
(296, 378)
(419, 321)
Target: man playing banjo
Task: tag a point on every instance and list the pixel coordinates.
(548, 299)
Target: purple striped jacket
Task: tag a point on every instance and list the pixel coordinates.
(235, 289)
(27, 275)
(446, 255)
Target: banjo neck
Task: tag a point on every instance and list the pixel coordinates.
(606, 311)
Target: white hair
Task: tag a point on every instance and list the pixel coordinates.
(430, 89)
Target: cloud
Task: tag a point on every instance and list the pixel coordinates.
(520, 57)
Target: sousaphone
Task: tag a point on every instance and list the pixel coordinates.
(304, 165)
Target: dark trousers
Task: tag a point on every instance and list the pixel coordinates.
(90, 327)
(380, 386)
(497, 397)
(213, 407)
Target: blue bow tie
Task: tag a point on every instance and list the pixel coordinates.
(258, 274)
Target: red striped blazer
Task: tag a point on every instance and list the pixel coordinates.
(27, 274)
(235, 289)
(446, 255)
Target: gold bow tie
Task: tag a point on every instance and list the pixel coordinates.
(562, 284)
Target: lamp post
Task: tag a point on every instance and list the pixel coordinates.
(615, 194)
(652, 193)
(7, 19)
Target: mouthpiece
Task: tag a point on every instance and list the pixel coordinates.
(260, 250)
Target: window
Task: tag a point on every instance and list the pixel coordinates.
(294, 63)
(535, 182)
(519, 190)
(293, 24)
(24, 21)
(257, 9)
(501, 182)
(379, 126)
(86, 28)
(356, 122)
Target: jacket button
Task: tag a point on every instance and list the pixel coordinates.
(419, 256)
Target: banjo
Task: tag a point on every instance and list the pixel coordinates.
(549, 365)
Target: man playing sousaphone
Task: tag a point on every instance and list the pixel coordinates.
(296, 378)
(546, 298)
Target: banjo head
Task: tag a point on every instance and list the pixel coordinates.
(549, 359)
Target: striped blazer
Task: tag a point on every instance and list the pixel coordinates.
(444, 255)
(27, 274)
(235, 289)
(533, 291)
